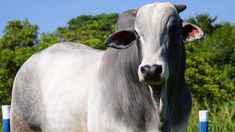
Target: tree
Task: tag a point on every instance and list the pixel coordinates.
(46, 40)
(15, 45)
(89, 30)
(19, 34)
(211, 66)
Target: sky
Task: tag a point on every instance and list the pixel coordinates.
(50, 14)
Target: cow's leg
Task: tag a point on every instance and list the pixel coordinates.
(19, 120)
(25, 112)
(17, 125)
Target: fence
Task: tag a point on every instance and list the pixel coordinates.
(203, 119)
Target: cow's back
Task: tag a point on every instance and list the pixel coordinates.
(50, 90)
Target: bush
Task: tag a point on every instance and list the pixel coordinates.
(210, 66)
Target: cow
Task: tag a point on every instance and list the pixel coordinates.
(137, 84)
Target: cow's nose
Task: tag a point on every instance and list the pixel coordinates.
(151, 72)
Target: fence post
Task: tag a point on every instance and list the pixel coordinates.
(6, 118)
(203, 119)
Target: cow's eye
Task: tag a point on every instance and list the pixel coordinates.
(173, 30)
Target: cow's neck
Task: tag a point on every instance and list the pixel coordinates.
(159, 97)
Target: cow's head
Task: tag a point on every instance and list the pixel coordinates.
(159, 32)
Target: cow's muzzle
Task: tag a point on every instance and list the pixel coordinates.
(151, 74)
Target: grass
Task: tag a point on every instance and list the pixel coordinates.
(221, 117)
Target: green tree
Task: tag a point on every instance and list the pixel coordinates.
(46, 40)
(211, 66)
(88, 29)
(19, 34)
(15, 45)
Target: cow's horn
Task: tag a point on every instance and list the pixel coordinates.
(134, 13)
(180, 7)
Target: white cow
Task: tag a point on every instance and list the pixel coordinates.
(135, 85)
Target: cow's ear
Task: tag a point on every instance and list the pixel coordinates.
(191, 32)
(121, 39)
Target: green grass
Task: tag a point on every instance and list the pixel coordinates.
(221, 117)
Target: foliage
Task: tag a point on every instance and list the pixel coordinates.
(19, 34)
(210, 66)
(90, 30)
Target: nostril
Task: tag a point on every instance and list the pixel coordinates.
(145, 69)
(157, 69)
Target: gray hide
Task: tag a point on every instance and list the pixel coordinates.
(71, 87)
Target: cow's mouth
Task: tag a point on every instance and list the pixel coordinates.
(155, 83)
(152, 81)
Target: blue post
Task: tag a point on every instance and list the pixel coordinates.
(6, 118)
(203, 119)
